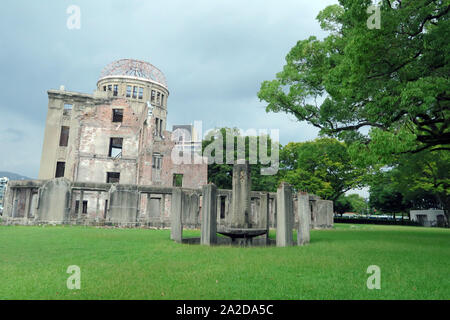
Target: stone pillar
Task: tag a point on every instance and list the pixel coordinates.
(330, 214)
(194, 208)
(14, 203)
(27, 203)
(218, 205)
(8, 202)
(304, 219)
(147, 208)
(97, 207)
(162, 210)
(209, 215)
(241, 204)
(34, 202)
(314, 216)
(123, 204)
(176, 214)
(285, 215)
(264, 214)
(80, 206)
(273, 212)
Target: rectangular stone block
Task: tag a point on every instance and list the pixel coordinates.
(176, 214)
(264, 214)
(285, 215)
(330, 214)
(240, 200)
(324, 214)
(304, 219)
(209, 215)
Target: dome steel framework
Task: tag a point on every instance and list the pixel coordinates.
(136, 69)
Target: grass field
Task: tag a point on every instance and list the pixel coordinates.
(145, 264)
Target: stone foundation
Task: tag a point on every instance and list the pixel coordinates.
(60, 201)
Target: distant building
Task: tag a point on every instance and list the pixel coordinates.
(350, 215)
(429, 218)
(3, 184)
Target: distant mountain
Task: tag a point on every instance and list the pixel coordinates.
(13, 176)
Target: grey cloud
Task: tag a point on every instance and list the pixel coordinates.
(12, 135)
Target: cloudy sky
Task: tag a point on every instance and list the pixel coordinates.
(214, 53)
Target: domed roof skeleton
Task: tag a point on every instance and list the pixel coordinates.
(134, 69)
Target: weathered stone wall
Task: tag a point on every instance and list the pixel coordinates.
(123, 205)
(55, 201)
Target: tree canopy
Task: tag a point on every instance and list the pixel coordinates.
(384, 90)
(350, 203)
(418, 181)
(322, 167)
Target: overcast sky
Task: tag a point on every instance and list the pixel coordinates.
(214, 53)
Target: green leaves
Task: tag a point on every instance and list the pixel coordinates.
(322, 167)
(392, 79)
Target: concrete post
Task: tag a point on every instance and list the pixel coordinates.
(314, 211)
(148, 209)
(285, 215)
(273, 212)
(209, 215)
(330, 214)
(8, 202)
(14, 203)
(264, 214)
(304, 219)
(241, 204)
(27, 203)
(80, 205)
(162, 210)
(97, 207)
(322, 214)
(176, 214)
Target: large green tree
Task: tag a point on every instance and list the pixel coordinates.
(322, 167)
(385, 197)
(424, 180)
(385, 89)
(342, 205)
(350, 203)
(419, 181)
(358, 203)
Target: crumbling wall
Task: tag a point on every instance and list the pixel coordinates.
(55, 201)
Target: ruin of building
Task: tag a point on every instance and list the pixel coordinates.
(107, 160)
(115, 135)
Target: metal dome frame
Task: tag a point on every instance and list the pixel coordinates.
(135, 69)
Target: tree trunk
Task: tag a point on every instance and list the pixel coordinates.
(445, 202)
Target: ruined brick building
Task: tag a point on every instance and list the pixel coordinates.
(117, 134)
(108, 159)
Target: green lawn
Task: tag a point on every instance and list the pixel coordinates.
(145, 264)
